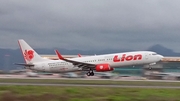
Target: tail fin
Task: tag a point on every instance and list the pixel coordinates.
(30, 56)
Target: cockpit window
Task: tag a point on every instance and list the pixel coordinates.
(154, 53)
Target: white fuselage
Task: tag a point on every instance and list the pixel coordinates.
(114, 60)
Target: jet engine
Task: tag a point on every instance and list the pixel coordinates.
(103, 68)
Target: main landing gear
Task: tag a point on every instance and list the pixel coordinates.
(90, 73)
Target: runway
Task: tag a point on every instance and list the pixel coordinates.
(89, 85)
(57, 77)
(21, 80)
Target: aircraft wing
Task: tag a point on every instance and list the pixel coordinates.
(77, 63)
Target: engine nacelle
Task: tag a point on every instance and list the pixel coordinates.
(103, 68)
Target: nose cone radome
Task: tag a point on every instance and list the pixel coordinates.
(160, 57)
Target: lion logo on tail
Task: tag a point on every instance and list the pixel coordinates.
(29, 54)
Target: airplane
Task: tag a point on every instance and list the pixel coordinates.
(98, 63)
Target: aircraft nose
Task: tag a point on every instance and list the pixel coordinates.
(160, 57)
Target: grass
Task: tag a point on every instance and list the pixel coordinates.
(64, 93)
(52, 93)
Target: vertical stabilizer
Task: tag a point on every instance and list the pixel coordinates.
(30, 56)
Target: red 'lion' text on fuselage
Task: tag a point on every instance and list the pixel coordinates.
(127, 58)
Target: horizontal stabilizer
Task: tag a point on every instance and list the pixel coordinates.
(24, 64)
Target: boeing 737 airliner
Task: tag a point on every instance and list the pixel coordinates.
(98, 63)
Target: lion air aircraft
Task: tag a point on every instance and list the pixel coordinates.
(98, 63)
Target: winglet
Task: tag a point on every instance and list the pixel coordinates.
(59, 55)
(79, 55)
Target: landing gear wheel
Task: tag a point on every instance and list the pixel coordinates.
(88, 74)
(92, 73)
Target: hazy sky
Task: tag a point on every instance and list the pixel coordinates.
(90, 24)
